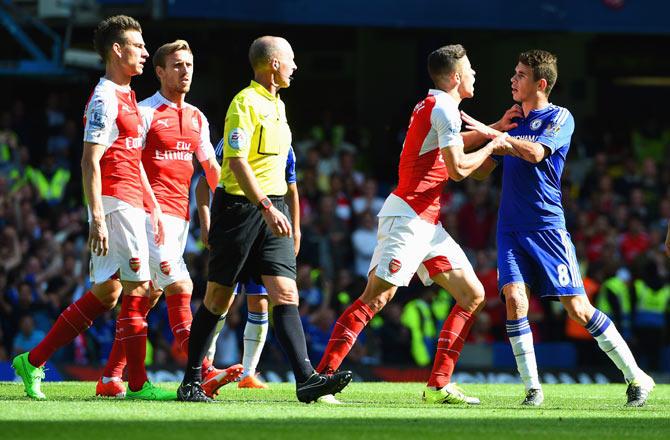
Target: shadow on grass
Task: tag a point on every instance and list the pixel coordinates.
(258, 426)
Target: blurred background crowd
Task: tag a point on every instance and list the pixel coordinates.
(616, 191)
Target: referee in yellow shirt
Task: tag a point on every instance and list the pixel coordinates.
(250, 234)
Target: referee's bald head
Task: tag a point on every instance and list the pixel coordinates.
(264, 49)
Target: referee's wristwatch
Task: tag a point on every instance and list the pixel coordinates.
(264, 204)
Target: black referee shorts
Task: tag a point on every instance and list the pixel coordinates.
(242, 245)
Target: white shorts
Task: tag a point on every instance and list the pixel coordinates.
(407, 245)
(166, 262)
(128, 248)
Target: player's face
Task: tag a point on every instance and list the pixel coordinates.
(178, 72)
(284, 66)
(523, 85)
(466, 89)
(133, 53)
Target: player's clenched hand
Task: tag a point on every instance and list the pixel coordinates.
(277, 222)
(157, 226)
(473, 124)
(98, 241)
(505, 123)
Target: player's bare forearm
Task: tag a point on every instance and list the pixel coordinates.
(294, 205)
(294, 208)
(212, 172)
(485, 169)
(460, 164)
(246, 179)
(92, 179)
(147, 191)
(532, 152)
(472, 140)
(202, 203)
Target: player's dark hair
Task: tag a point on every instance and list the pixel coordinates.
(443, 61)
(167, 49)
(112, 30)
(544, 66)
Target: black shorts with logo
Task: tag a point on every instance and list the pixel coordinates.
(241, 244)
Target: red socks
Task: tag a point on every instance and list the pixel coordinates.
(452, 338)
(75, 319)
(132, 331)
(180, 317)
(117, 357)
(346, 330)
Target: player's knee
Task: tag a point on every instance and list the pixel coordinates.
(517, 304)
(179, 287)
(474, 299)
(218, 299)
(285, 296)
(108, 293)
(579, 311)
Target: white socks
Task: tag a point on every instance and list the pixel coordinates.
(521, 339)
(255, 333)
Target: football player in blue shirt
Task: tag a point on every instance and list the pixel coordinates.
(535, 252)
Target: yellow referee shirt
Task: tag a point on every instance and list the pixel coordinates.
(256, 128)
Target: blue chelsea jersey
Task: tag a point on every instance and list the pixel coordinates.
(531, 193)
(290, 162)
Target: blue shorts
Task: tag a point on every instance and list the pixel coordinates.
(544, 260)
(250, 288)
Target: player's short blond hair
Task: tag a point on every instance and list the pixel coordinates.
(168, 49)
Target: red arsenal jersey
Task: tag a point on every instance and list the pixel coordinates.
(112, 119)
(435, 124)
(173, 135)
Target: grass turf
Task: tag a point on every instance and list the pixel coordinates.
(372, 411)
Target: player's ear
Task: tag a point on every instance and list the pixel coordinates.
(542, 85)
(117, 49)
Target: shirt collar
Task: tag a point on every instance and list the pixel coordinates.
(435, 92)
(163, 100)
(263, 91)
(539, 111)
(109, 83)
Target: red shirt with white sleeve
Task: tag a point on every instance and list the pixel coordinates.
(173, 135)
(112, 119)
(435, 124)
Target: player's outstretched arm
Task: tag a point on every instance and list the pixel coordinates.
(532, 152)
(202, 203)
(473, 139)
(98, 238)
(154, 208)
(461, 164)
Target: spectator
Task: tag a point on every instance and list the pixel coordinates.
(28, 336)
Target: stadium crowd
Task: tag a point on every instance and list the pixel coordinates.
(616, 197)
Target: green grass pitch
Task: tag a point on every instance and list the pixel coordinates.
(372, 411)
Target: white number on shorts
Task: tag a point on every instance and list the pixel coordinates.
(563, 274)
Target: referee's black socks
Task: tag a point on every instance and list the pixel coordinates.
(291, 336)
(202, 327)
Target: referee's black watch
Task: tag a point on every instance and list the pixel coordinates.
(264, 204)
